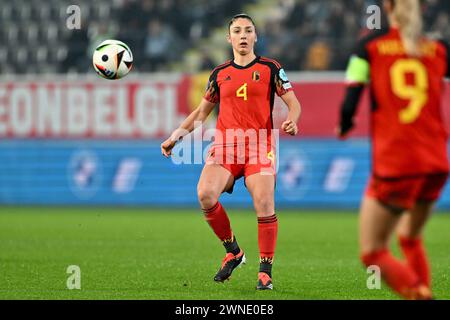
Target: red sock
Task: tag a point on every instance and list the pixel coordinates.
(416, 258)
(218, 220)
(267, 237)
(400, 277)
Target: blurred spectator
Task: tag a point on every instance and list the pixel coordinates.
(318, 56)
(97, 34)
(162, 31)
(148, 11)
(158, 48)
(442, 26)
(326, 31)
(206, 63)
(276, 39)
(261, 44)
(76, 59)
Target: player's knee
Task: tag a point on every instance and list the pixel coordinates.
(264, 205)
(206, 197)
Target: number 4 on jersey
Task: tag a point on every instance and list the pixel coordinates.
(242, 92)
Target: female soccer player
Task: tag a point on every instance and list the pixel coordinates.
(409, 143)
(245, 88)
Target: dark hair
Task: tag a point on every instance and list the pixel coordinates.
(241, 16)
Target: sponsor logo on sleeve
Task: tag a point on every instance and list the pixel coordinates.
(283, 75)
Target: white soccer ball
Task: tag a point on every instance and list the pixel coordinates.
(112, 59)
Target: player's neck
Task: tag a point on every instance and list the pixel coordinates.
(393, 23)
(243, 60)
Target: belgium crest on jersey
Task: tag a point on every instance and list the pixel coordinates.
(255, 76)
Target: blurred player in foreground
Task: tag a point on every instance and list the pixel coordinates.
(245, 87)
(405, 72)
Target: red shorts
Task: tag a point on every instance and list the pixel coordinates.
(404, 193)
(242, 161)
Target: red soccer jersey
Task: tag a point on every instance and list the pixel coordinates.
(409, 135)
(246, 95)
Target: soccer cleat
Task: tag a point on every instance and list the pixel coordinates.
(229, 263)
(264, 282)
(419, 293)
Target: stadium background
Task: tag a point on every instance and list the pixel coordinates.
(62, 138)
(69, 138)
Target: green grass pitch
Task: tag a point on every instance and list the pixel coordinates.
(172, 254)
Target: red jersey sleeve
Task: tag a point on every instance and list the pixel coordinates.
(281, 82)
(212, 89)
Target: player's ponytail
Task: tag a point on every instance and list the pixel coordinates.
(408, 15)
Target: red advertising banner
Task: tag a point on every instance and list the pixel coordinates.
(89, 109)
(149, 108)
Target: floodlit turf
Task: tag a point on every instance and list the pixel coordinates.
(173, 254)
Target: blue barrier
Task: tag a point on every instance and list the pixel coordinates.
(319, 173)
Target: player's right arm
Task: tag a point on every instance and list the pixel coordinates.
(357, 76)
(200, 114)
(187, 126)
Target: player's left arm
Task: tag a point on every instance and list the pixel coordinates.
(357, 76)
(283, 89)
(290, 124)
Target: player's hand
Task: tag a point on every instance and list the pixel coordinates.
(167, 146)
(339, 133)
(290, 127)
(343, 130)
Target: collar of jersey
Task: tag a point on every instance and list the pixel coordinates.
(246, 66)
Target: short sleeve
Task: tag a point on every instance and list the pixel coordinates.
(212, 90)
(281, 81)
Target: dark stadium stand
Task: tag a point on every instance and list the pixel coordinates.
(305, 35)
